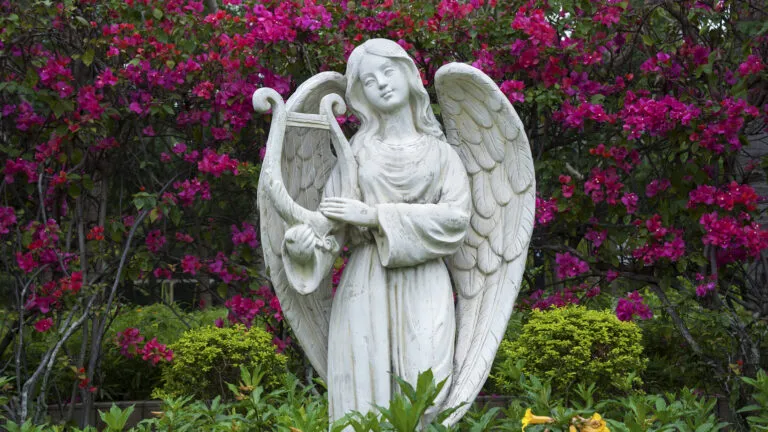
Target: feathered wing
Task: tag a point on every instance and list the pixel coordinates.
(307, 162)
(483, 127)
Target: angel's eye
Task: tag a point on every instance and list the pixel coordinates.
(389, 72)
(369, 82)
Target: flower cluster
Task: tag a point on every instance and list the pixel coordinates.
(704, 287)
(736, 238)
(247, 236)
(569, 266)
(546, 210)
(217, 164)
(244, 310)
(603, 185)
(633, 305)
(129, 342)
(726, 198)
(662, 242)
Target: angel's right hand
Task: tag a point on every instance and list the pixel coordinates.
(300, 243)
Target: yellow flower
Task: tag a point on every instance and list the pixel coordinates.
(529, 419)
(595, 424)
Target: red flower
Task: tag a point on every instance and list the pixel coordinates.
(43, 325)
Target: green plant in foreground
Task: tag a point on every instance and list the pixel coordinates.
(116, 418)
(571, 345)
(758, 420)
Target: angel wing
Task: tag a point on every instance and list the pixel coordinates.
(483, 127)
(306, 164)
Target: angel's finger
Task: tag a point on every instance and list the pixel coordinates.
(336, 208)
(334, 216)
(335, 212)
(337, 200)
(307, 242)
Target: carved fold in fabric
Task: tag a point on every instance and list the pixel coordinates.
(306, 277)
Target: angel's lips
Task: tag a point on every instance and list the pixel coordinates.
(387, 94)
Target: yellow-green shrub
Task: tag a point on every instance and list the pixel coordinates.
(207, 358)
(571, 345)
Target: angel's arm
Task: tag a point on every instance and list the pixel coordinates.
(307, 257)
(411, 234)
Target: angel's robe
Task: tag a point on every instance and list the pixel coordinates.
(393, 313)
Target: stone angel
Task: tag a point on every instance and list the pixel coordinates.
(425, 214)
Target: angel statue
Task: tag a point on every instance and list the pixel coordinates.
(424, 214)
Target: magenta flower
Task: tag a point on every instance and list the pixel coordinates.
(246, 236)
(546, 210)
(569, 266)
(155, 241)
(632, 306)
(128, 341)
(7, 219)
(43, 325)
(630, 202)
(155, 352)
(190, 264)
(26, 262)
(752, 66)
(217, 164)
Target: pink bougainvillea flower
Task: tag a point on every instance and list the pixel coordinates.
(246, 236)
(546, 211)
(155, 241)
(155, 352)
(631, 306)
(190, 264)
(7, 219)
(43, 325)
(569, 266)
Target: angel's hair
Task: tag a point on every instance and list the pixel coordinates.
(423, 118)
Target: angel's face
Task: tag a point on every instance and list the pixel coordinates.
(384, 83)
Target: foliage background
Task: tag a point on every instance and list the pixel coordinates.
(131, 155)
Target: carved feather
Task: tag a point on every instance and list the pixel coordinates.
(482, 195)
(502, 191)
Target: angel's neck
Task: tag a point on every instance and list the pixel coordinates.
(397, 126)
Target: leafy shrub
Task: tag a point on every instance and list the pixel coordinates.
(124, 378)
(758, 411)
(205, 359)
(573, 345)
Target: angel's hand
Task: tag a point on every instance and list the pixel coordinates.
(300, 243)
(350, 211)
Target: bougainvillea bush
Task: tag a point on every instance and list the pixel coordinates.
(131, 156)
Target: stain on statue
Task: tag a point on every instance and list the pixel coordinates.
(426, 211)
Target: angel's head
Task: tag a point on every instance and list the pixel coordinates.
(381, 77)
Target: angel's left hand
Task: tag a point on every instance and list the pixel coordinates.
(350, 211)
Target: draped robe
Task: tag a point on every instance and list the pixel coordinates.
(393, 313)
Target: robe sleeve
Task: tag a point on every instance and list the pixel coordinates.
(410, 234)
(306, 277)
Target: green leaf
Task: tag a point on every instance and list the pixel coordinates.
(648, 40)
(88, 183)
(87, 57)
(175, 215)
(154, 214)
(74, 190)
(157, 13)
(30, 80)
(77, 156)
(83, 21)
